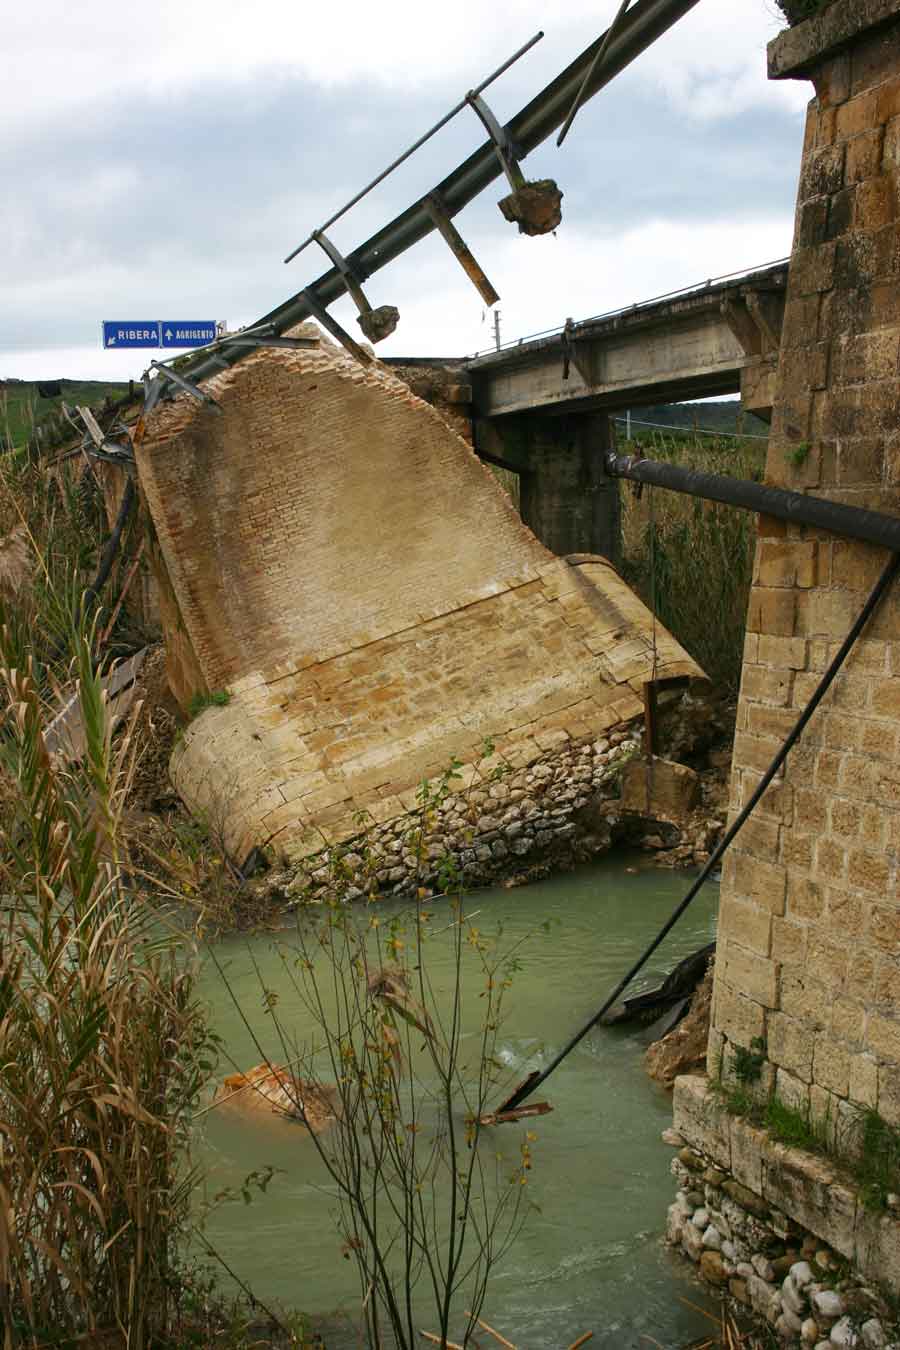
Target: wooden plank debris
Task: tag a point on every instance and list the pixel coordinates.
(65, 735)
(492, 1332)
(517, 1113)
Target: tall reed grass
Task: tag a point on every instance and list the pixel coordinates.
(692, 560)
(102, 1041)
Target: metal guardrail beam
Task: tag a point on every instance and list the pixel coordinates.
(533, 124)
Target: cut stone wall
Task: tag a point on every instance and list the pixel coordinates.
(807, 974)
(352, 575)
(809, 946)
(783, 1232)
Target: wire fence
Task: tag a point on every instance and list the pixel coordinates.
(692, 431)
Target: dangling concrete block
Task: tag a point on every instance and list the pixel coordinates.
(339, 561)
(659, 788)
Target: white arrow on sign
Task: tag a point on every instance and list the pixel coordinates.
(111, 341)
(168, 332)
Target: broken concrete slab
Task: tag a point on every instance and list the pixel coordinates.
(536, 208)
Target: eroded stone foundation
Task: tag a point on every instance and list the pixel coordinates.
(787, 1234)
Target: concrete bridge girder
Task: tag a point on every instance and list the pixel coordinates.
(721, 339)
(542, 408)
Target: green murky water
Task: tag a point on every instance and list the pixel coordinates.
(591, 1257)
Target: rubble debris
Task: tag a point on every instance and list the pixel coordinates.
(683, 1049)
(378, 324)
(535, 208)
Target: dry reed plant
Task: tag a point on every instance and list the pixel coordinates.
(101, 1039)
(429, 1198)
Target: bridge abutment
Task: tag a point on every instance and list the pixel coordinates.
(805, 1039)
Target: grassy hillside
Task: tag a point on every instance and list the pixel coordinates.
(21, 405)
(723, 416)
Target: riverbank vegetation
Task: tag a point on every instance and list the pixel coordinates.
(105, 1047)
(103, 1043)
(393, 1083)
(690, 560)
(31, 415)
(107, 1051)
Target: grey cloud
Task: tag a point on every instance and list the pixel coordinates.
(222, 182)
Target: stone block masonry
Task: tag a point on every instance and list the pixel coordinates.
(784, 1233)
(810, 947)
(340, 562)
(808, 960)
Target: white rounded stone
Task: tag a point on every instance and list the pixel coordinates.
(763, 1267)
(843, 1334)
(792, 1297)
(801, 1274)
(827, 1304)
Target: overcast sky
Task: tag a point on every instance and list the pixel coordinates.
(160, 162)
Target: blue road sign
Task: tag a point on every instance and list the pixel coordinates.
(180, 333)
(133, 333)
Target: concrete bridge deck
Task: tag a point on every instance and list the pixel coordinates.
(721, 338)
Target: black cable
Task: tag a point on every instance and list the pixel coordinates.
(92, 592)
(534, 1080)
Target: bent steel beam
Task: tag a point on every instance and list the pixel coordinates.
(642, 25)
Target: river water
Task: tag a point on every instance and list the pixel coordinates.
(591, 1255)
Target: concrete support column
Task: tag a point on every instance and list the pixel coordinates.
(566, 497)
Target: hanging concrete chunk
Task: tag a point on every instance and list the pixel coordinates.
(379, 323)
(339, 561)
(535, 208)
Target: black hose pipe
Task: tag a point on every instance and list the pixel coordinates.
(108, 556)
(533, 1082)
(853, 522)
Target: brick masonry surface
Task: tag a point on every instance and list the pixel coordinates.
(809, 937)
(340, 561)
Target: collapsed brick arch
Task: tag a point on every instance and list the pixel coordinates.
(340, 561)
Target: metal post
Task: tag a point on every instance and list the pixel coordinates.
(497, 329)
(458, 246)
(645, 21)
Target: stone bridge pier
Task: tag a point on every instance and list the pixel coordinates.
(805, 1040)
